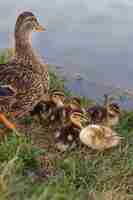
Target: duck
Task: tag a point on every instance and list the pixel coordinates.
(67, 136)
(99, 137)
(108, 114)
(51, 109)
(24, 80)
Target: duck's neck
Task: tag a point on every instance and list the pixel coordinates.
(24, 52)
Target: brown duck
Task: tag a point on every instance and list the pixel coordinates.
(23, 80)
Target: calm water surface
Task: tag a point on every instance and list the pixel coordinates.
(93, 38)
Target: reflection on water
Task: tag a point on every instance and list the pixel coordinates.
(93, 38)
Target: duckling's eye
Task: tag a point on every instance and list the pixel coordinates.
(70, 137)
(111, 115)
(55, 96)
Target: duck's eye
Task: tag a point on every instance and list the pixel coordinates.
(70, 137)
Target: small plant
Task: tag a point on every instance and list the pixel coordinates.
(125, 127)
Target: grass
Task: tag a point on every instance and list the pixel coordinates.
(82, 174)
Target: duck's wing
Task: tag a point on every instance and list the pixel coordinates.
(21, 87)
(7, 97)
(7, 91)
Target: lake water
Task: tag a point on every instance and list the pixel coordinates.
(90, 38)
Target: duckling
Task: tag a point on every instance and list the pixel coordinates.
(113, 114)
(67, 137)
(52, 109)
(108, 114)
(73, 104)
(23, 80)
(99, 137)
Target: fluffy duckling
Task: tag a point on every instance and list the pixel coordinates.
(99, 137)
(73, 104)
(108, 114)
(67, 137)
(52, 109)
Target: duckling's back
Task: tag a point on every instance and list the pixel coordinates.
(97, 114)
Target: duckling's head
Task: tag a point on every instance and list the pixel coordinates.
(113, 114)
(26, 23)
(75, 103)
(57, 97)
(77, 118)
(114, 108)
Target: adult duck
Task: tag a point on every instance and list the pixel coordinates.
(23, 80)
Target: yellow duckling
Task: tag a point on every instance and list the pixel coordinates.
(99, 137)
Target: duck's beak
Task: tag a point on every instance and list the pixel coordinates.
(39, 28)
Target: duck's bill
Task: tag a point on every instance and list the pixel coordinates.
(40, 28)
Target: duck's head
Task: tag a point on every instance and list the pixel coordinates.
(57, 97)
(26, 23)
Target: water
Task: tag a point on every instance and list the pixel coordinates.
(92, 38)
